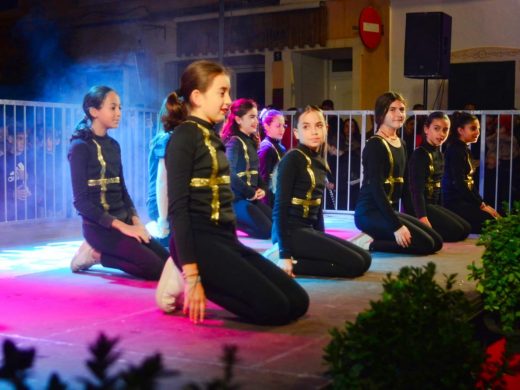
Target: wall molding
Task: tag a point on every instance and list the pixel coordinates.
(482, 54)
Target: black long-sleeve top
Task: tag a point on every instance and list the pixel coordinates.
(270, 153)
(300, 182)
(199, 191)
(457, 181)
(376, 192)
(98, 185)
(244, 166)
(425, 170)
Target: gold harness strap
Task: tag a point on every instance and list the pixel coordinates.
(248, 172)
(213, 181)
(274, 147)
(469, 178)
(308, 201)
(102, 182)
(431, 184)
(391, 179)
(276, 151)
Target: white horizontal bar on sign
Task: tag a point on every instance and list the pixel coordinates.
(371, 27)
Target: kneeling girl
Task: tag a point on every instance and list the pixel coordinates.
(298, 227)
(215, 264)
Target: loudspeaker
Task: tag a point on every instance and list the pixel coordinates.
(427, 45)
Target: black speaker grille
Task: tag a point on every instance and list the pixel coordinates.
(427, 45)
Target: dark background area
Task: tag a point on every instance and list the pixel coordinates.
(489, 85)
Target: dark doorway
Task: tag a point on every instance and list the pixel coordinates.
(251, 85)
(489, 85)
(249, 71)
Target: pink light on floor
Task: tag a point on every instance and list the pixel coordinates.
(240, 233)
(341, 233)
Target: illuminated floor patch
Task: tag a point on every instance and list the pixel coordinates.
(39, 258)
(29, 259)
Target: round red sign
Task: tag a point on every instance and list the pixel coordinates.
(370, 27)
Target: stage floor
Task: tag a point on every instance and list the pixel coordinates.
(44, 305)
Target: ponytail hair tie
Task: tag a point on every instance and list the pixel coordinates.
(262, 114)
(180, 98)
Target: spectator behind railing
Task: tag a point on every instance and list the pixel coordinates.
(502, 164)
(49, 160)
(410, 135)
(289, 140)
(344, 166)
(17, 169)
(352, 135)
(3, 147)
(3, 139)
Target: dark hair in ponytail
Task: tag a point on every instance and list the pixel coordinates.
(198, 75)
(93, 99)
(239, 108)
(434, 115)
(459, 120)
(267, 116)
(169, 111)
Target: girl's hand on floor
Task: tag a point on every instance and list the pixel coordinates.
(287, 266)
(491, 211)
(426, 221)
(194, 299)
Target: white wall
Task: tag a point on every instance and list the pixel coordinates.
(475, 23)
(339, 87)
(310, 83)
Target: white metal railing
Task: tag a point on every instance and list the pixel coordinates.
(35, 175)
(497, 158)
(34, 171)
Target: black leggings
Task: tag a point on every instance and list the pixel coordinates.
(321, 254)
(449, 225)
(243, 281)
(144, 261)
(255, 218)
(425, 240)
(471, 213)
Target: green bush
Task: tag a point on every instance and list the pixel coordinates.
(498, 277)
(103, 375)
(418, 336)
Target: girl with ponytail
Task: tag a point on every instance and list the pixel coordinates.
(240, 137)
(204, 242)
(460, 194)
(271, 149)
(114, 234)
(425, 171)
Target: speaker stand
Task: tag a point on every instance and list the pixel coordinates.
(425, 94)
